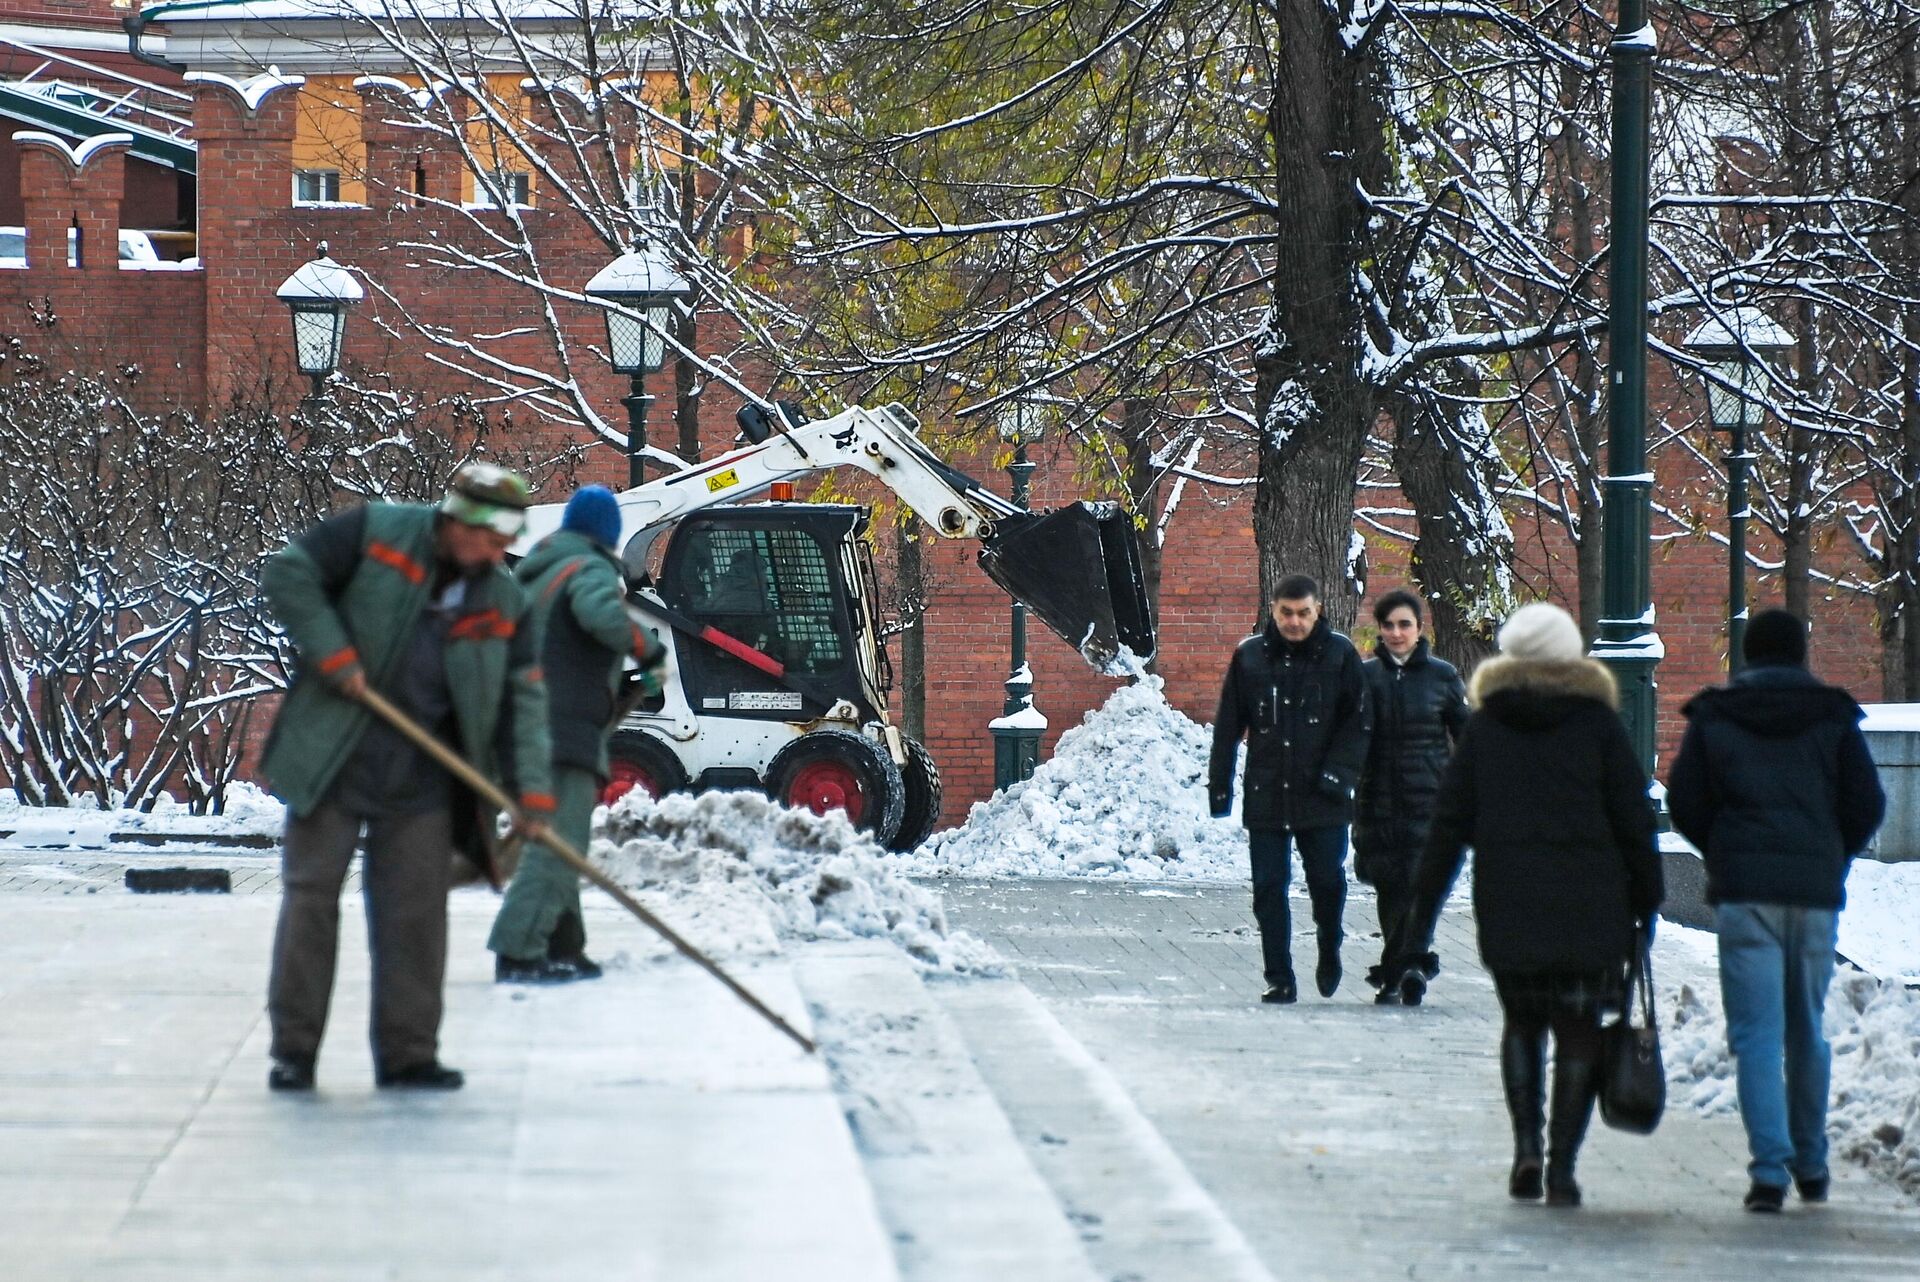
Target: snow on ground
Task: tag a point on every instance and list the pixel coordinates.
(1873, 1024)
(249, 812)
(738, 873)
(1879, 929)
(1124, 795)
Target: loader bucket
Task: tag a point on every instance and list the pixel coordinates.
(1078, 569)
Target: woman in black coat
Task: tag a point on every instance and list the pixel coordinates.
(1547, 789)
(1419, 711)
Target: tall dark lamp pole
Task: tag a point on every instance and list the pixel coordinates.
(1018, 729)
(1629, 643)
(637, 289)
(319, 294)
(1737, 345)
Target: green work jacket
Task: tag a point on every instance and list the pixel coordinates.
(350, 593)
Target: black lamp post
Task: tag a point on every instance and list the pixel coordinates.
(636, 289)
(318, 295)
(1629, 642)
(1736, 345)
(1019, 727)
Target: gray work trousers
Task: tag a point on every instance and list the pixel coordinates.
(404, 883)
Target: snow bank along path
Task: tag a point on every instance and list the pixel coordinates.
(1124, 795)
(738, 873)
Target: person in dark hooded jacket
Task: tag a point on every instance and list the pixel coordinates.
(584, 633)
(1547, 789)
(1773, 783)
(1419, 710)
(1295, 694)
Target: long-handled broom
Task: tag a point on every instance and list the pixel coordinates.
(462, 770)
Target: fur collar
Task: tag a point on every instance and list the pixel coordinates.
(1577, 678)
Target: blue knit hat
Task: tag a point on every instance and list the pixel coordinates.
(594, 512)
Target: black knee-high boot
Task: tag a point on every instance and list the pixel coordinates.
(1523, 1070)
(1576, 1083)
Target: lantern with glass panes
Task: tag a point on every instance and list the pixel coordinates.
(637, 291)
(318, 295)
(1737, 345)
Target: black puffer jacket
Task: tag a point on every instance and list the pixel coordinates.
(1547, 790)
(1419, 712)
(1303, 712)
(1774, 784)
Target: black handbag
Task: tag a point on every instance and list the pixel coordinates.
(1633, 1081)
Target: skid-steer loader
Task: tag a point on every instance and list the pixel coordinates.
(776, 678)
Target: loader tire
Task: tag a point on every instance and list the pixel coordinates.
(636, 759)
(922, 810)
(838, 770)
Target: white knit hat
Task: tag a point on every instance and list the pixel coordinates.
(1541, 632)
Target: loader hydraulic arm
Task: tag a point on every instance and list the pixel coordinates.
(1077, 568)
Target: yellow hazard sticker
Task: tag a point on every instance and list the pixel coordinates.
(722, 480)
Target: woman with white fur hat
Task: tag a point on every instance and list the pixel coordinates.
(1547, 789)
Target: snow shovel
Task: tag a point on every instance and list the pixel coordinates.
(465, 773)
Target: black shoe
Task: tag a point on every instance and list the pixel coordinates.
(1525, 1181)
(1412, 989)
(543, 970)
(1387, 997)
(1562, 1191)
(430, 1076)
(1813, 1189)
(1281, 994)
(1766, 1199)
(290, 1075)
(1326, 976)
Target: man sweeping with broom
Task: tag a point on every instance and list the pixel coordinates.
(413, 604)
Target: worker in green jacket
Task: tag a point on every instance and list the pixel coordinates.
(414, 602)
(578, 610)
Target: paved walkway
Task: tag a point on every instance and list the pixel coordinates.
(1348, 1141)
(1123, 1111)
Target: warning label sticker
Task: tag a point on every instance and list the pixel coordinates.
(764, 701)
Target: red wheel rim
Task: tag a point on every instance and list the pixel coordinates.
(821, 786)
(623, 777)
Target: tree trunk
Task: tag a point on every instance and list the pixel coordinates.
(1143, 492)
(1326, 125)
(1462, 547)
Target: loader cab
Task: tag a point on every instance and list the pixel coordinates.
(794, 581)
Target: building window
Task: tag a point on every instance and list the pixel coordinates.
(316, 187)
(513, 188)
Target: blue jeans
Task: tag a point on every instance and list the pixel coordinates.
(1323, 853)
(1775, 964)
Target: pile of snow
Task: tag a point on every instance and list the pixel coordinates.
(1124, 795)
(1879, 931)
(248, 812)
(737, 873)
(1874, 1026)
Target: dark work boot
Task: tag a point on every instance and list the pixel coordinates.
(543, 970)
(1326, 975)
(1523, 1071)
(290, 1073)
(1281, 992)
(429, 1076)
(1576, 1082)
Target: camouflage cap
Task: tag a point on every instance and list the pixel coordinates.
(488, 495)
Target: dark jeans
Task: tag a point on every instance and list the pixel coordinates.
(404, 883)
(1323, 854)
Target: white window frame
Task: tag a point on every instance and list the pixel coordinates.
(326, 178)
(517, 183)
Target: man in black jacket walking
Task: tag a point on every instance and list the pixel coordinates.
(1295, 693)
(1774, 784)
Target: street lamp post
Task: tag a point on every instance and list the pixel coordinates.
(1018, 729)
(318, 294)
(636, 289)
(1736, 346)
(1629, 643)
